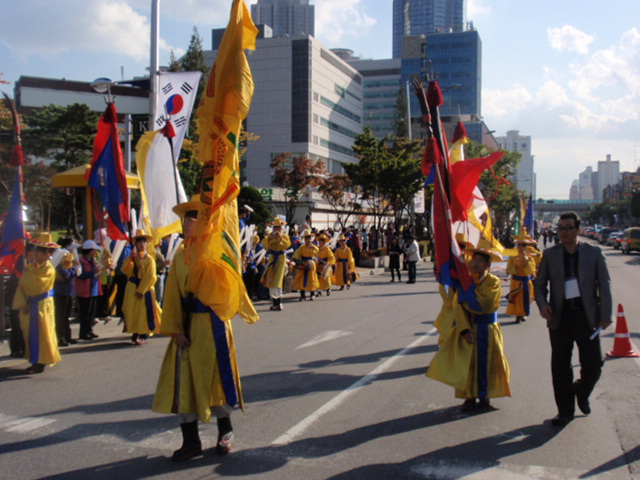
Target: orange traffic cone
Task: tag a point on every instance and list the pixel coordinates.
(622, 343)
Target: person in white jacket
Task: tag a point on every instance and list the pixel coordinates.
(412, 254)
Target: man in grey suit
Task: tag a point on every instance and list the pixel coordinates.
(579, 304)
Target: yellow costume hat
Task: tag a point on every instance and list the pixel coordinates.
(484, 246)
(341, 238)
(140, 234)
(182, 208)
(278, 222)
(522, 239)
(322, 237)
(461, 239)
(44, 241)
(306, 233)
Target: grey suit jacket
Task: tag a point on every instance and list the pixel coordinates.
(593, 281)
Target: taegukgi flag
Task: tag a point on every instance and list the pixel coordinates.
(176, 95)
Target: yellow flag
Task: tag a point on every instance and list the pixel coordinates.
(216, 260)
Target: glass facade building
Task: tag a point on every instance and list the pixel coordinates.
(286, 17)
(423, 17)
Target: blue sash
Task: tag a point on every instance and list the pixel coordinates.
(482, 322)
(306, 272)
(524, 287)
(222, 351)
(34, 330)
(148, 303)
(345, 277)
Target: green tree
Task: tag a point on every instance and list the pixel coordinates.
(261, 213)
(400, 124)
(338, 191)
(294, 174)
(64, 135)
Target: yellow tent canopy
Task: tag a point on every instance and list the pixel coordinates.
(75, 178)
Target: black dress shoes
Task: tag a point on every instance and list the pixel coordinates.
(582, 400)
(561, 420)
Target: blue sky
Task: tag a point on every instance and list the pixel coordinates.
(567, 72)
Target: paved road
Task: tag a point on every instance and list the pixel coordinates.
(335, 389)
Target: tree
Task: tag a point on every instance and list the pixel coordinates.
(261, 213)
(400, 124)
(389, 175)
(337, 190)
(65, 135)
(295, 174)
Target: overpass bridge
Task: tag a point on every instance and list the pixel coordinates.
(547, 209)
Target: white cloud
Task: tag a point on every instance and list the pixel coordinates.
(500, 103)
(569, 39)
(337, 19)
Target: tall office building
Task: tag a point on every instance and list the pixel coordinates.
(423, 17)
(608, 174)
(286, 17)
(525, 177)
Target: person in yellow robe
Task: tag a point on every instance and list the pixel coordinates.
(522, 268)
(199, 377)
(306, 274)
(34, 300)
(326, 261)
(141, 310)
(345, 264)
(444, 323)
(276, 244)
(472, 358)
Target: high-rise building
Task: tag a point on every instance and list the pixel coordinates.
(586, 183)
(525, 177)
(423, 17)
(307, 101)
(608, 174)
(286, 17)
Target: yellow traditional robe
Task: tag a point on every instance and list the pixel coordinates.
(345, 264)
(520, 267)
(136, 311)
(196, 384)
(273, 276)
(41, 342)
(444, 322)
(306, 279)
(325, 257)
(479, 369)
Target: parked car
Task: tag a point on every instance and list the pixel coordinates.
(614, 240)
(630, 240)
(603, 234)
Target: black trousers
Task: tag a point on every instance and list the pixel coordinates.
(411, 266)
(574, 328)
(63, 312)
(87, 314)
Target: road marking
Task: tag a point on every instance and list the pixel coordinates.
(452, 469)
(334, 403)
(23, 424)
(324, 337)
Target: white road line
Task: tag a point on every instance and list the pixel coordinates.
(324, 337)
(300, 428)
(23, 424)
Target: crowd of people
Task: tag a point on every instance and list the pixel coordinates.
(569, 282)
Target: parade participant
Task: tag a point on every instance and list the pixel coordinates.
(16, 340)
(199, 375)
(573, 293)
(64, 291)
(103, 310)
(326, 261)
(276, 244)
(444, 323)
(345, 265)
(394, 251)
(141, 310)
(88, 288)
(522, 268)
(34, 300)
(306, 275)
(471, 358)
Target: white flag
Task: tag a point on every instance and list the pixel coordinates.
(176, 95)
(161, 188)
